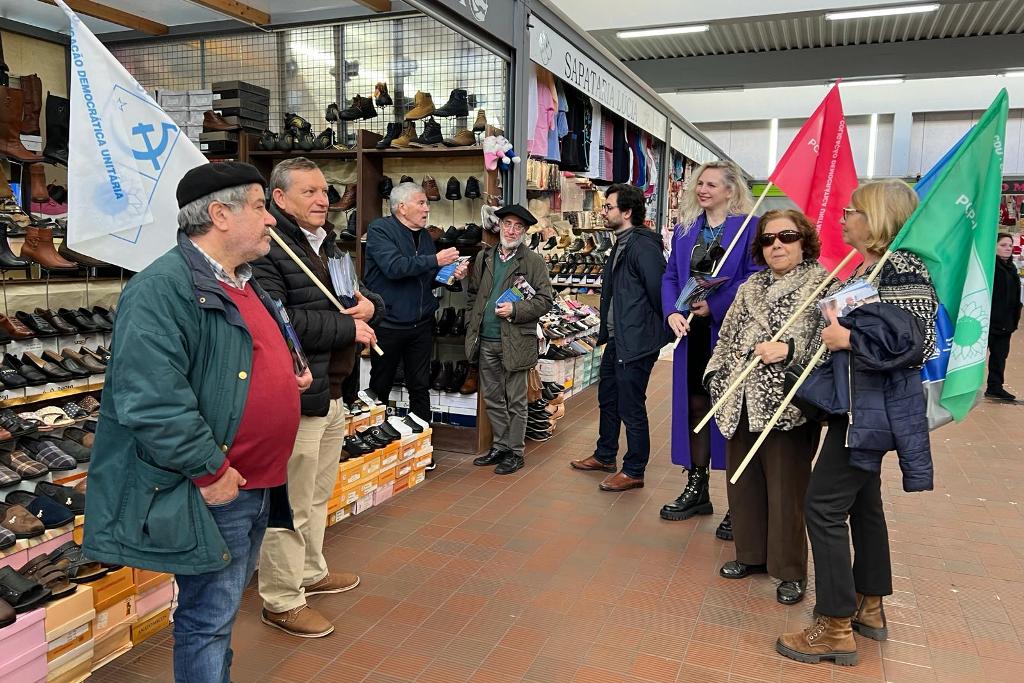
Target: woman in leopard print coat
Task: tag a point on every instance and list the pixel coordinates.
(767, 501)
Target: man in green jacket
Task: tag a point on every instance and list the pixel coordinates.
(199, 413)
(502, 337)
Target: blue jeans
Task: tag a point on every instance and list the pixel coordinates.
(208, 603)
(622, 399)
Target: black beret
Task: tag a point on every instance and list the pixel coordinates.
(209, 178)
(517, 211)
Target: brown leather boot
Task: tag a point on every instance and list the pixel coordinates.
(11, 115)
(348, 198)
(5, 186)
(869, 621)
(39, 247)
(480, 125)
(37, 177)
(423, 107)
(212, 121)
(828, 638)
(471, 384)
(430, 189)
(32, 104)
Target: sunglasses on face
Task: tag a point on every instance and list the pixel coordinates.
(767, 239)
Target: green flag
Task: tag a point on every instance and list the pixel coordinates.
(954, 232)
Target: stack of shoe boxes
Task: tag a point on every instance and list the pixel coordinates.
(186, 109)
(153, 606)
(447, 407)
(240, 104)
(23, 648)
(114, 599)
(69, 636)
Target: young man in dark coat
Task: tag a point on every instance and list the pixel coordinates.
(633, 330)
(292, 564)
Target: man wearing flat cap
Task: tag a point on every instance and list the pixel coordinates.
(502, 337)
(199, 413)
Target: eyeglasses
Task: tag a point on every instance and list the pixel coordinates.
(512, 226)
(847, 212)
(767, 239)
(608, 207)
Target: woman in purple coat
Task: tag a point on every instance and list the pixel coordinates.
(716, 203)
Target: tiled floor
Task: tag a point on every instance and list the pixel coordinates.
(541, 577)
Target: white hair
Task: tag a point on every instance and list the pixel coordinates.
(402, 194)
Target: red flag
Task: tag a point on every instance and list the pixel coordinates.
(818, 174)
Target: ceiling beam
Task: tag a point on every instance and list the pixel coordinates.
(114, 16)
(376, 5)
(236, 10)
(914, 59)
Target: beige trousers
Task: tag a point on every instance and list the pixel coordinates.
(290, 560)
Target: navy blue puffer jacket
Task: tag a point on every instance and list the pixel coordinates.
(877, 385)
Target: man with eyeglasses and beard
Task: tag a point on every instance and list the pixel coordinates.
(502, 337)
(634, 331)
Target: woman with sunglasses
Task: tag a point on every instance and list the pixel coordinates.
(713, 209)
(877, 352)
(767, 501)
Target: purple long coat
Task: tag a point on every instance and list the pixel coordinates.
(738, 267)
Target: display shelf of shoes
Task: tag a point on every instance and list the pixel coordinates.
(46, 393)
(314, 155)
(23, 544)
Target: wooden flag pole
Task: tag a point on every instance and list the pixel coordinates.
(792, 392)
(316, 281)
(778, 335)
(732, 245)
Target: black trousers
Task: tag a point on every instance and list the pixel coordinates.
(837, 492)
(412, 348)
(622, 399)
(998, 350)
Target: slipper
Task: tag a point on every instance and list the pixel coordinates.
(19, 521)
(65, 495)
(14, 424)
(23, 465)
(8, 477)
(53, 416)
(80, 569)
(89, 405)
(19, 592)
(42, 571)
(80, 453)
(52, 514)
(7, 538)
(79, 436)
(36, 420)
(47, 453)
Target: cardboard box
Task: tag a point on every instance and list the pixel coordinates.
(200, 99)
(417, 477)
(28, 665)
(124, 611)
(344, 513)
(385, 476)
(389, 457)
(146, 580)
(109, 647)
(113, 588)
(222, 87)
(72, 666)
(371, 466)
(401, 484)
(360, 422)
(364, 503)
(150, 625)
(14, 557)
(404, 469)
(154, 600)
(377, 415)
(27, 633)
(56, 538)
(384, 491)
(69, 622)
(423, 459)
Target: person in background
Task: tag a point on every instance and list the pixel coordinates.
(292, 563)
(634, 331)
(879, 348)
(1005, 317)
(199, 413)
(401, 263)
(503, 337)
(714, 207)
(767, 501)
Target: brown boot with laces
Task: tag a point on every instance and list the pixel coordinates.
(828, 638)
(869, 621)
(303, 621)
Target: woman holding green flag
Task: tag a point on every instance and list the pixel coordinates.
(871, 390)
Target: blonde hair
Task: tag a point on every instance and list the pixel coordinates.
(741, 202)
(886, 205)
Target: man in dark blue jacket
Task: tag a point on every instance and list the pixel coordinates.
(401, 263)
(633, 330)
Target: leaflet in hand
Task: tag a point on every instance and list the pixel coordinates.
(446, 275)
(520, 290)
(291, 339)
(697, 288)
(853, 295)
(343, 278)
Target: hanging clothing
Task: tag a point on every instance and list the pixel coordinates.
(546, 110)
(561, 128)
(607, 162)
(596, 133)
(576, 144)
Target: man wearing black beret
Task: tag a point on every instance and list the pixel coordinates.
(199, 413)
(502, 337)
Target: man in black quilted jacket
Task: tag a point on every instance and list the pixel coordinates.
(292, 564)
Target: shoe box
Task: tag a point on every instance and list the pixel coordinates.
(150, 625)
(249, 103)
(23, 648)
(186, 109)
(69, 623)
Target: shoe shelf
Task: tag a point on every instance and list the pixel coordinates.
(63, 533)
(428, 152)
(315, 154)
(52, 394)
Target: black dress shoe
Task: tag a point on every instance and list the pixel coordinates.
(510, 464)
(738, 570)
(355, 447)
(1000, 394)
(415, 426)
(791, 592)
(724, 530)
(390, 431)
(36, 323)
(491, 457)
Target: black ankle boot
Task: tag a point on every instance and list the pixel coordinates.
(724, 530)
(694, 500)
(7, 257)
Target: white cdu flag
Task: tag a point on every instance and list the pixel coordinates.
(125, 158)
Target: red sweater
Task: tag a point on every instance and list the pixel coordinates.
(270, 421)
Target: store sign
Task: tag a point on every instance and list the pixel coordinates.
(493, 16)
(1013, 187)
(553, 52)
(689, 147)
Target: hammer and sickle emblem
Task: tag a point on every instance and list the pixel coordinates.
(151, 153)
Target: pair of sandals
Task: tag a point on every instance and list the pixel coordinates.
(45, 578)
(51, 417)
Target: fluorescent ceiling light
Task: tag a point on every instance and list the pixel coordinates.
(877, 81)
(663, 31)
(1014, 74)
(882, 12)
